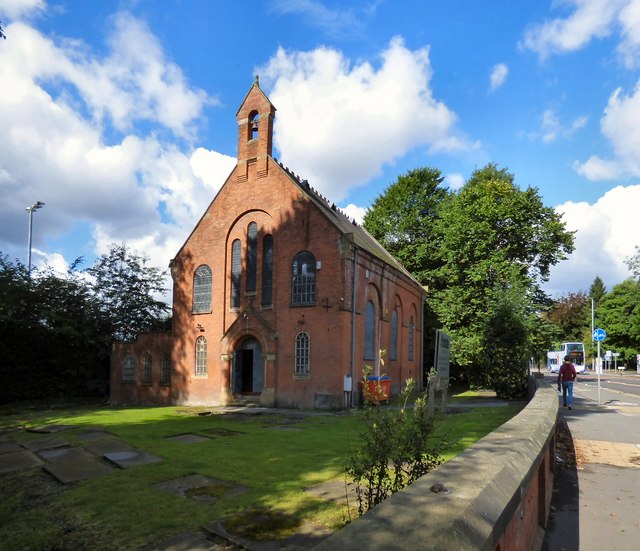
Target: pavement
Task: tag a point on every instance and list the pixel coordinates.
(596, 501)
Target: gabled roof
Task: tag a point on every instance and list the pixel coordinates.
(362, 238)
(255, 85)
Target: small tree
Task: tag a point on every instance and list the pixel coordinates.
(128, 290)
(396, 448)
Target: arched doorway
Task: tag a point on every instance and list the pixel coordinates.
(248, 368)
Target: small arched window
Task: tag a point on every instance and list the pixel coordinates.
(236, 273)
(267, 270)
(201, 357)
(129, 369)
(252, 256)
(303, 354)
(369, 331)
(165, 370)
(303, 279)
(393, 345)
(146, 369)
(411, 332)
(202, 279)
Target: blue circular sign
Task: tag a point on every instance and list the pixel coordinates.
(599, 335)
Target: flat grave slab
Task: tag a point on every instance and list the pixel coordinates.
(9, 447)
(92, 435)
(187, 438)
(131, 458)
(49, 429)
(73, 464)
(18, 461)
(108, 444)
(45, 444)
(333, 490)
(200, 488)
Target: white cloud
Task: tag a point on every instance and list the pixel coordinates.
(498, 76)
(590, 19)
(58, 100)
(338, 124)
(17, 9)
(355, 212)
(621, 125)
(606, 234)
(455, 181)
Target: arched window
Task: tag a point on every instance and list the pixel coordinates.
(201, 357)
(236, 273)
(267, 270)
(369, 331)
(393, 345)
(129, 369)
(202, 289)
(303, 279)
(146, 369)
(411, 331)
(252, 256)
(165, 370)
(303, 350)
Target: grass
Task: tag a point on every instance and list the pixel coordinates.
(273, 456)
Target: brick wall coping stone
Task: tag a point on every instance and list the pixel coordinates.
(485, 483)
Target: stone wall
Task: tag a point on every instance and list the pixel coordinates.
(497, 497)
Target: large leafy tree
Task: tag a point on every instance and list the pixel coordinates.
(491, 234)
(130, 292)
(403, 218)
(619, 314)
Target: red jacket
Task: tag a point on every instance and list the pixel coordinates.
(567, 372)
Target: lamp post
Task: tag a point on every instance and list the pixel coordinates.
(37, 205)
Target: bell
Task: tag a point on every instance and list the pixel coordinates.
(254, 126)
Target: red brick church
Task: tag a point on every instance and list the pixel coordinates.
(277, 295)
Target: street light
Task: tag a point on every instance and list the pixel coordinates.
(37, 205)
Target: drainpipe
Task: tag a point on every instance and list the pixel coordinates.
(353, 326)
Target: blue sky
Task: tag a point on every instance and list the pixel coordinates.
(120, 115)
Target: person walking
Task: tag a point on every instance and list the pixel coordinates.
(566, 376)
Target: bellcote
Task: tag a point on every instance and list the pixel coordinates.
(255, 125)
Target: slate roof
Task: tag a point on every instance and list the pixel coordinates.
(362, 238)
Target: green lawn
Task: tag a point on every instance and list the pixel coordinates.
(123, 510)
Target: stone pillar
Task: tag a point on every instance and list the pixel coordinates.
(225, 379)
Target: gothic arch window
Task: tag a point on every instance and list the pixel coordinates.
(147, 362)
(201, 357)
(267, 270)
(393, 345)
(411, 336)
(369, 331)
(252, 256)
(202, 282)
(129, 369)
(165, 370)
(303, 279)
(236, 273)
(303, 354)
(254, 125)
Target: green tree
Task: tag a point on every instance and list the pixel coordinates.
(402, 219)
(572, 313)
(598, 290)
(619, 313)
(633, 262)
(491, 234)
(129, 292)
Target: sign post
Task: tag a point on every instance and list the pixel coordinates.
(599, 335)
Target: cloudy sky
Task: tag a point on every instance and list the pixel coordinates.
(119, 115)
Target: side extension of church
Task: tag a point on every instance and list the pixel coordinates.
(277, 295)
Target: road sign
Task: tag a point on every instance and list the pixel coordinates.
(599, 335)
